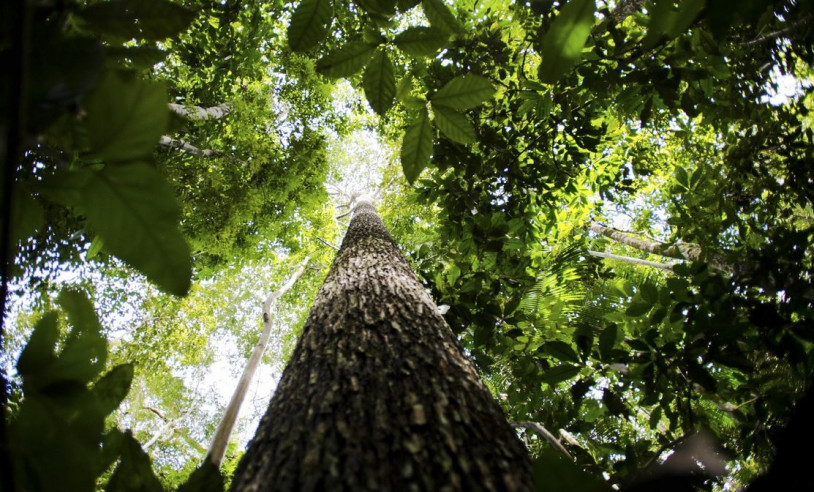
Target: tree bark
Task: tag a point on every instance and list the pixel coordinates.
(199, 113)
(217, 448)
(378, 394)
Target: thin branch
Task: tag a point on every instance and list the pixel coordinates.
(326, 243)
(776, 34)
(177, 143)
(547, 435)
(629, 259)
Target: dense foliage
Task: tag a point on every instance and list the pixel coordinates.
(613, 198)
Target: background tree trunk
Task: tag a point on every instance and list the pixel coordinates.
(378, 394)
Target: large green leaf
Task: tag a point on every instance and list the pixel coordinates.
(379, 82)
(562, 44)
(126, 117)
(144, 19)
(561, 351)
(453, 124)
(111, 388)
(416, 147)
(552, 471)
(39, 351)
(134, 472)
(347, 60)
(139, 57)
(464, 92)
(84, 353)
(560, 373)
(441, 17)
(309, 24)
(134, 211)
(421, 40)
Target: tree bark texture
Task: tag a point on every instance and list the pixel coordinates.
(378, 394)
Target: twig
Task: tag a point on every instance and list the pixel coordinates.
(326, 243)
(547, 435)
(628, 259)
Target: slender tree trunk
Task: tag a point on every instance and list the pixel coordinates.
(217, 449)
(628, 259)
(378, 394)
(690, 251)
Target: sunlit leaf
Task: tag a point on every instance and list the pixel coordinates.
(126, 117)
(464, 92)
(379, 82)
(421, 40)
(416, 147)
(347, 60)
(309, 24)
(144, 19)
(441, 17)
(453, 124)
(563, 42)
(134, 211)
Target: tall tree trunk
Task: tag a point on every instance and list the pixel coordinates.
(217, 448)
(378, 394)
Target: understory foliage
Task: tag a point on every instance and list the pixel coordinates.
(613, 198)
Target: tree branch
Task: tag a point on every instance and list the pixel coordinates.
(176, 143)
(687, 251)
(629, 259)
(217, 448)
(198, 113)
(547, 435)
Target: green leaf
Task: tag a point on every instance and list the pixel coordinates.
(562, 44)
(39, 351)
(134, 211)
(607, 340)
(638, 308)
(560, 373)
(111, 388)
(134, 472)
(441, 17)
(347, 60)
(95, 248)
(649, 292)
(205, 478)
(552, 471)
(84, 353)
(139, 57)
(416, 147)
(126, 117)
(309, 24)
(464, 92)
(143, 19)
(561, 351)
(667, 21)
(79, 309)
(454, 125)
(421, 40)
(27, 215)
(379, 82)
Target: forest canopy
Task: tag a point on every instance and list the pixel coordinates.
(611, 199)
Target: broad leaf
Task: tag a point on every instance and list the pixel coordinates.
(379, 82)
(134, 211)
(84, 353)
(416, 147)
(139, 57)
(143, 19)
(134, 472)
(552, 471)
(561, 351)
(39, 351)
(309, 24)
(453, 124)
(464, 92)
(205, 478)
(560, 373)
(126, 117)
(347, 60)
(421, 40)
(111, 388)
(562, 44)
(441, 17)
